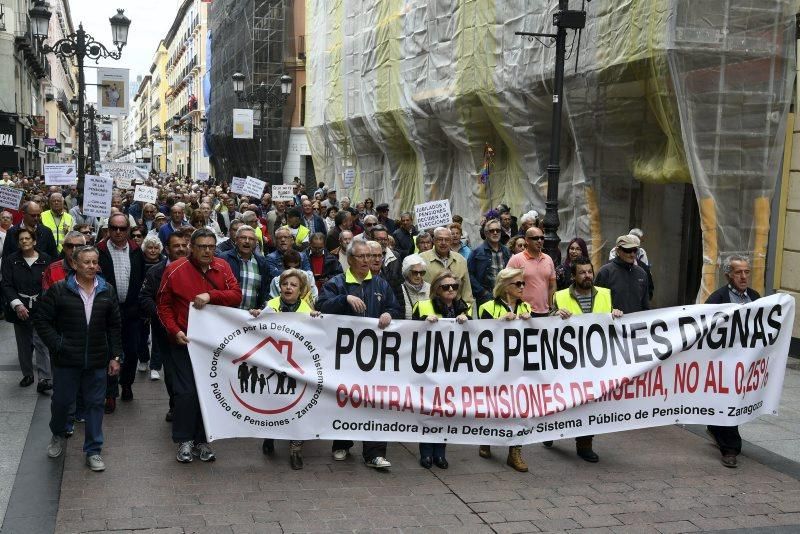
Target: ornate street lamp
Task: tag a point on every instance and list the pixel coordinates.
(188, 127)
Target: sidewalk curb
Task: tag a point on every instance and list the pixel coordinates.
(33, 504)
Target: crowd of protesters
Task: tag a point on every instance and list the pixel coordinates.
(94, 300)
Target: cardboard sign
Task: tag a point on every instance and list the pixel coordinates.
(282, 193)
(433, 214)
(147, 194)
(253, 187)
(97, 195)
(60, 174)
(125, 170)
(10, 197)
(237, 185)
(123, 182)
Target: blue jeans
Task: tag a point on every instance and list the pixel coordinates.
(433, 450)
(91, 383)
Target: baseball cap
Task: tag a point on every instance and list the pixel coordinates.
(628, 241)
(382, 207)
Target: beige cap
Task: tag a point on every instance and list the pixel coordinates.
(628, 241)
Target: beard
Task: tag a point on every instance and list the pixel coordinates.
(585, 284)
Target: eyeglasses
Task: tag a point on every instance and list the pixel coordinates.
(519, 283)
(117, 228)
(535, 238)
(87, 232)
(361, 257)
(72, 245)
(204, 247)
(629, 250)
(493, 231)
(450, 287)
(368, 225)
(376, 256)
(417, 273)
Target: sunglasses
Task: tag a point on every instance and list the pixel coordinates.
(117, 228)
(520, 284)
(136, 235)
(418, 273)
(493, 231)
(629, 250)
(450, 287)
(535, 238)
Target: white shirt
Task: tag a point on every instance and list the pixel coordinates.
(121, 259)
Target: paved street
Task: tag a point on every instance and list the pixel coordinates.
(659, 480)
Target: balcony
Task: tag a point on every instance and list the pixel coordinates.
(30, 48)
(301, 47)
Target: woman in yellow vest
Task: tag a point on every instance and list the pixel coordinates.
(444, 303)
(507, 305)
(294, 289)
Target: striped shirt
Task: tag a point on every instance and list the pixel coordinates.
(251, 282)
(120, 258)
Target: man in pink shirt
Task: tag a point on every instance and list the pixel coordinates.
(540, 272)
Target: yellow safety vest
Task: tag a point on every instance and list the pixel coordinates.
(497, 310)
(302, 233)
(424, 308)
(60, 231)
(275, 304)
(601, 303)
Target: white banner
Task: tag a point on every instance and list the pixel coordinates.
(201, 177)
(290, 376)
(242, 123)
(10, 197)
(237, 185)
(60, 174)
(97, 195)
(112, 91)
(144, 193)
(253, 187)
(433, 214)
(131, 171)
(282, 193)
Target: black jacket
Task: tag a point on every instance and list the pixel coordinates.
(18, 278)
(45, 242)
(628, 284)
(404, 243)
(130, 308)
(148, 306)
(720, 296)
(60, 321)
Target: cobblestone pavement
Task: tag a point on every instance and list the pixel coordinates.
(656, 480)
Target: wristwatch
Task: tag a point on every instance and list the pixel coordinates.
(117, 359)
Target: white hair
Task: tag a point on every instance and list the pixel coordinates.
(726, 263)
(410, 261)
(637, 232)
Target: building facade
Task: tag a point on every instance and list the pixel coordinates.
(62, 87)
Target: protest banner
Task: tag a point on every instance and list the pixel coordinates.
(242, 123)
(282, 193)
(253, 187)
(147, 194)
(97, 195)
(201, 177)
(237, 185)
(125, 170)
(433, 214)
(122, 182)
(487, 381)
(10, 197)
(60, 174)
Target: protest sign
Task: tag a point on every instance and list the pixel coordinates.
(201, 177)
(10, 197)
(97, 195)
(282, 193)
(144, 193)
(349, 177)
(60, 174)
(125, 170)
(253, 187)
(242, 123)
(487, 382)
(122, 182)
(433, 214)
(237, 185)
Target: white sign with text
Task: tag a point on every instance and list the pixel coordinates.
(97, 195)
(433, 214)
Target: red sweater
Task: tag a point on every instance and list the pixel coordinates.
(182, 282)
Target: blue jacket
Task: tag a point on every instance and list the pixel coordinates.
(479, 266)
(275, 263)
(232, 257)
(317, 226)
(374, 291)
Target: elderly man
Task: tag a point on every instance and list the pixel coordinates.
(343, 221)
(488, 259)
(122, 265)
(345, 237)
(149, 216)
(31, 219)
(57, 219)
(391, 267)
(197, 280)
(383, 217)
(737, 291)
(404, 236)
(276, 218)
(79, 321)
(540, 273)
(324, 265)
(249, 268)
(358, 293)
(441, 258)
(311, 220)
(283, 241)
(579, 298)
(330, 201)
(60, 268)
(176, 221)
(230, 242)
(626, 280)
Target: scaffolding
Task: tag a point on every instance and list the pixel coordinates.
(252, 37)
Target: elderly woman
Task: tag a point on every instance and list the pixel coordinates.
(528, 220)
(458, 245)
(294, 290)
(137, 234)
(516, 244)
(507, 305)
(152, 252)
(414, 288)
(443, 304)
(292, 260)
(22, 286)
(424, 241)
(576, 249)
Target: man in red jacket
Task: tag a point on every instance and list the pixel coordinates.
(199, 279)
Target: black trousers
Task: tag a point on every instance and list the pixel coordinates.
(728, 439)
(187, 421)
(162, 347)
(131, 336)
(435, 450)
(369, 450)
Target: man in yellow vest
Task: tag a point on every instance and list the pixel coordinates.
(583, 297)
(300, 233)
(57, 219)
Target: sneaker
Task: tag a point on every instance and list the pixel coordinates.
(80, 419)
(379, 462)
(154, 375)
(95, 462)
(184, 455)
(70, 430)
(56, 447)
(44, 385)
(141, 367)
(204, 452)
(339, 454)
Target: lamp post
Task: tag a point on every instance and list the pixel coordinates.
(155, 133)
(189, 128)
(265, 96)
(79, 45)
